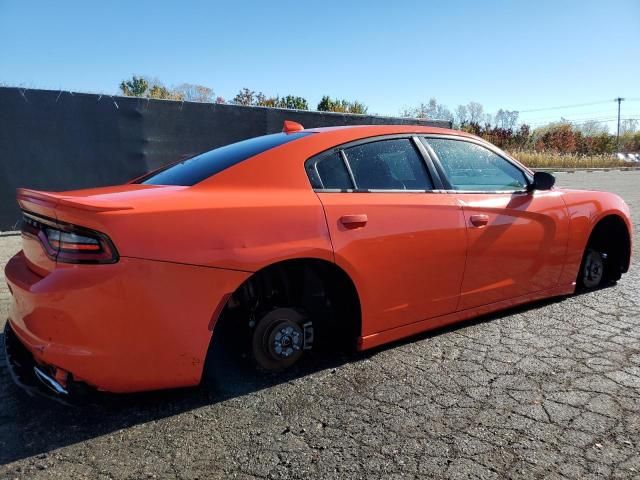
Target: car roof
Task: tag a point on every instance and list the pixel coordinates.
(283, 166)
(372, 130)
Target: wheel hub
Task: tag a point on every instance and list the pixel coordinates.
(280, 337)
(285, 340)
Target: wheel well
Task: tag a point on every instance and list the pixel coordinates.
(320, 288)
(610, 235)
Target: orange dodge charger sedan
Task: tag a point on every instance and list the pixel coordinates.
(282, 243)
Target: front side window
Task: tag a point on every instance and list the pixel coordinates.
(388, 165)
(470, 166)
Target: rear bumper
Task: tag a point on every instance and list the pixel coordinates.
(132, 326)
(26, 373)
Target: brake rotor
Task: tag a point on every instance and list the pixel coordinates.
(279, 338)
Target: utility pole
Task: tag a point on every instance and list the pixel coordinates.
(619, 100)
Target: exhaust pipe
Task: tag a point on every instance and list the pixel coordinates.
(50, 382)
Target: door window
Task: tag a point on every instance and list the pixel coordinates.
(329, 172)
(470, 166)
(388, 165)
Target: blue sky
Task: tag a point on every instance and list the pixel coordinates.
(389, 55)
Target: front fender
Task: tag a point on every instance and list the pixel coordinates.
(586, 209)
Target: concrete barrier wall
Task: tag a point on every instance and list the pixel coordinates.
(51, 140)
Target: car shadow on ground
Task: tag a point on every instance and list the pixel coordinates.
(31, 426)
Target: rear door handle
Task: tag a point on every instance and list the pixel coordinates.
(354, 221)
(479, 220)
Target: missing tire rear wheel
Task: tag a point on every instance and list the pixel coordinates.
(279, 339)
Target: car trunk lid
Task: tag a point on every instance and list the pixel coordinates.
(78, 211)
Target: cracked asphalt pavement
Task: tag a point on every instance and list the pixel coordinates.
(551, 390)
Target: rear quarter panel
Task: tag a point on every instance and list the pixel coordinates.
(239, 229)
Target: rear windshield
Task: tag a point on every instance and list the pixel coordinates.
(198, 168)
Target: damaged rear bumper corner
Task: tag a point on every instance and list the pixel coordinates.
(26, 373)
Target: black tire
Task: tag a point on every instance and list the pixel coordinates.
(593, 272)
(278, 339)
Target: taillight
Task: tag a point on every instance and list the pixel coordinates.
(68, 243)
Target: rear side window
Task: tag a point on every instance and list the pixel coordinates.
(332, 172)
(199, 168)
(388, 165)
(473, 167)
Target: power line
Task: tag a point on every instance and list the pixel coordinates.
(588, 120)
(587, 115)
(576, 105)
(564, 106)
(572, 118)
(584, 122)
(581, 122)
(604, 121)
(604, 118)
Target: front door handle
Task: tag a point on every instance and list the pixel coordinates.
(354, 221)
(479, 220)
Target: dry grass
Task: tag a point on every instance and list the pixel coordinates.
(550, 159)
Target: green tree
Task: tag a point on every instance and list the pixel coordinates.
(136, 87)
(328, 104)
(259, 99)
(245, 97)
(358, 107)
(149, 88)
(163, 93)
(325, 104)
(293, 102)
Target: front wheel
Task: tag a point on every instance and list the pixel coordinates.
(592, 270)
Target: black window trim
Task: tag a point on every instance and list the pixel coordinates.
(436, 178)
(435, 171)
(311, 163)
(347, 165)
(448, 187)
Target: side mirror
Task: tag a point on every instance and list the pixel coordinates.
(542, 181)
